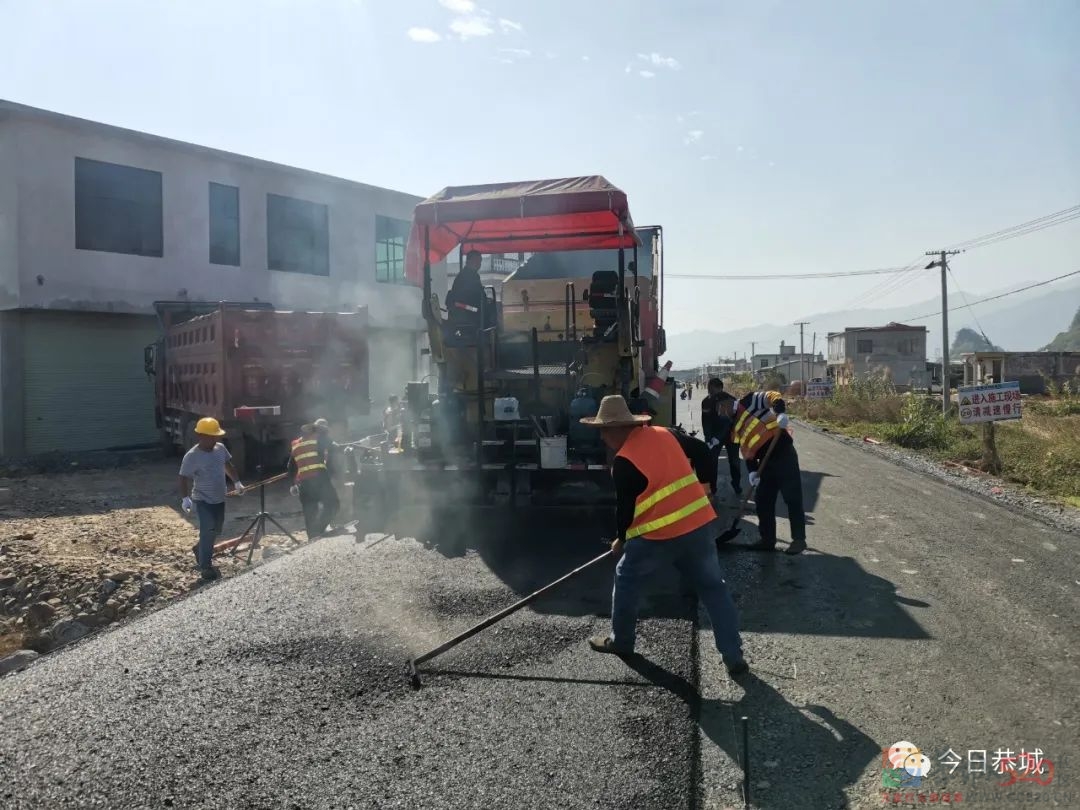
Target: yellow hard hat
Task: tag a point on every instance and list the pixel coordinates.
(208, 426)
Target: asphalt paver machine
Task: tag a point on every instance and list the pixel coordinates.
(581, 318)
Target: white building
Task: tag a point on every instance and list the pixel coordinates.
(98, 222)
(895, 350)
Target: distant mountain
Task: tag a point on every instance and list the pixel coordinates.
(1026, 321)
(968, 340)
(1069, 340)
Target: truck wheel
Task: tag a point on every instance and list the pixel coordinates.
(168, 446)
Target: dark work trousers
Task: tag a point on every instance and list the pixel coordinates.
(320, 503)
(781, 477)
(734, 461)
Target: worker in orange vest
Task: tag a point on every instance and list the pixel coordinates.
(310, 472)
(663, 514)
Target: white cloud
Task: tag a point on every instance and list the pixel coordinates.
(694, 136)
(585, 59)
(679, 119)
(738, 148)
(459, 6)
(522, 52)
(469, 27)
(656, 60)
(423, 35)
(551, 54)
(771, 164)
(708, 157)
(509, 25)
(628, 68)
(646, 74)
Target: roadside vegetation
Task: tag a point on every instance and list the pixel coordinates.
(1040, 452)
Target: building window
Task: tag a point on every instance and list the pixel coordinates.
(297, 236)
(864, 347)
(117, 209)
(391, 237)
(764, 362)
(224, 225)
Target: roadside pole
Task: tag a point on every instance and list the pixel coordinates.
(943, 263)
(802, 359)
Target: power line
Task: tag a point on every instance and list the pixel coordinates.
(1003, 295)
(973, 303)
(780, 276)
(912, 271)
(963, 295)
(1024, 228)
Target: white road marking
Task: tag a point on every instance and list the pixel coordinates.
(1049, 546)
(1017, 559)
(908, 571)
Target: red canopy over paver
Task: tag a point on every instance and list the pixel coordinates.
(575, 213)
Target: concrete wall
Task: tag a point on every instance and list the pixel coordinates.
(1033, 370)
(37, 154)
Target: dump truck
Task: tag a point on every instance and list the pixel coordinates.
(260, 372)
(580, 319)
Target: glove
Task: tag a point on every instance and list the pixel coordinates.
(238, 487)
(782, 420)
(294, 490)
(755, 479)
(186, 505)
(714, 443)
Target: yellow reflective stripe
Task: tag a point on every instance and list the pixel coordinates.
(662, 493)
(753, 440)
(740, 435)
(667, 520)
(742, 419)
(311, 467)
(299, 456)
(306, 443)
(771, 425)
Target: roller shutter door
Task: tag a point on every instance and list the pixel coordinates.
(84, 384)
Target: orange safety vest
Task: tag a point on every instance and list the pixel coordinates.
(305, 454)
(674, 502)
(756, 424)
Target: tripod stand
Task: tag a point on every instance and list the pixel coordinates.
(256, 530)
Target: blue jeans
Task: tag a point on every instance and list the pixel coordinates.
(211, 522)
(694, 555)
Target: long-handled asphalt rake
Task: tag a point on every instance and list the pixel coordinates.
(414, 675)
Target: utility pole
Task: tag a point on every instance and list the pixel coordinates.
(943, 263)
(802, 359)
(813, 353)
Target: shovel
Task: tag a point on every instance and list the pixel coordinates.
(733, 532)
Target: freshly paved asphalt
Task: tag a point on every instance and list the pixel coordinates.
(910, 619)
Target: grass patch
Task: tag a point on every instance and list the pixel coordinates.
(1040, 452)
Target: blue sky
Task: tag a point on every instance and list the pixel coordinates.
(764, 136)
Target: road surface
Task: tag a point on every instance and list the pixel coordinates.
(921, 614)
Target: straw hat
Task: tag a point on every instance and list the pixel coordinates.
(614, 412)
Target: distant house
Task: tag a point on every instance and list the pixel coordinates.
(787, 354)
(1033, 370)
(896, 350)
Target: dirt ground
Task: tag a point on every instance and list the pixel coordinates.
(83, 549)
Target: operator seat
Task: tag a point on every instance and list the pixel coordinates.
(603, 299)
